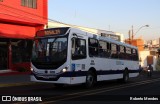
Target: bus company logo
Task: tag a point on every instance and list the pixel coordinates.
(6, 98)
(20, 99)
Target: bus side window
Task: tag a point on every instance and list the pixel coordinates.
(108, 49)
(122, 52)
(128, 53)
(93, 47)
(137, 56)
(102, 49)
(134, 55)
(114, 52)
(78, 48)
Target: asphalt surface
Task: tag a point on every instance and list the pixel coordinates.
(14, 79)
(108, 91)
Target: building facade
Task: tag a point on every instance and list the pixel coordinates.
(153, 44)
(136, 42)
(147, 54)
(19, 21)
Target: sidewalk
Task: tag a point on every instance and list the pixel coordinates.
(12, 78)
(144, 75)
(11, 72)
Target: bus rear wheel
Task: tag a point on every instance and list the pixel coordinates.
(90, 79)
(125, 76)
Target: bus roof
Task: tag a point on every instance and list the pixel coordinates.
(64, 30)
(103, 38)
(116, 42)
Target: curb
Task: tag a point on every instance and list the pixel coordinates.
(14, 73)
(16, 84)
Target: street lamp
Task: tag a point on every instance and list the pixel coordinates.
(133, 35)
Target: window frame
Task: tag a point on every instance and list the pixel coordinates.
(78, 56)
(128, 54)
(122, 53)
(114, 56)
(106, 51)
(135, 55)
(96, 48)
(29, 3)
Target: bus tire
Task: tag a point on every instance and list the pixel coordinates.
(125, 76)
(90, 79)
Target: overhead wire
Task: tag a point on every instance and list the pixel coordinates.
(51, 20)
(45, 17)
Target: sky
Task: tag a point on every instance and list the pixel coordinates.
(112, 15)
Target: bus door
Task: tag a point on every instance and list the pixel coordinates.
(78, 53)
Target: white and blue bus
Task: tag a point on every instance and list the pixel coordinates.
(67, 55)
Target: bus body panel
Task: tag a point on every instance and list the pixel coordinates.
(109, 77)
(106, 68)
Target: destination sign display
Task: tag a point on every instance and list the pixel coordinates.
(115, 37)
(52, 31)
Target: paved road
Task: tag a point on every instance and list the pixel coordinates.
(103, 92)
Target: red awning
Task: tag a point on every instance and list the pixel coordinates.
(17, 31)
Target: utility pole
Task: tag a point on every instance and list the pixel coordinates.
(159, 42)
(129, 33)
(132, 33)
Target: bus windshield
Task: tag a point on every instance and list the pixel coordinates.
(49, 53)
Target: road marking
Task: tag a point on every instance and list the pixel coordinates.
(97, 91)
(92, 92)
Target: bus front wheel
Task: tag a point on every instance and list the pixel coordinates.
(90, 79)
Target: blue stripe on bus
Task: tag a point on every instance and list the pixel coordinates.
(84, 73)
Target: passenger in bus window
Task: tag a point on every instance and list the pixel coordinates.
(101, 54)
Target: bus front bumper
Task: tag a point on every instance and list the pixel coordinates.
(61, 80)
(64, 78)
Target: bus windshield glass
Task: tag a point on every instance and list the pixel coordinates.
(49, 52)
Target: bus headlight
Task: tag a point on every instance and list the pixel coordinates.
(31, 69)
(64, 70)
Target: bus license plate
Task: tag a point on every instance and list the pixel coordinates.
(52, 72)
(48, 77)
